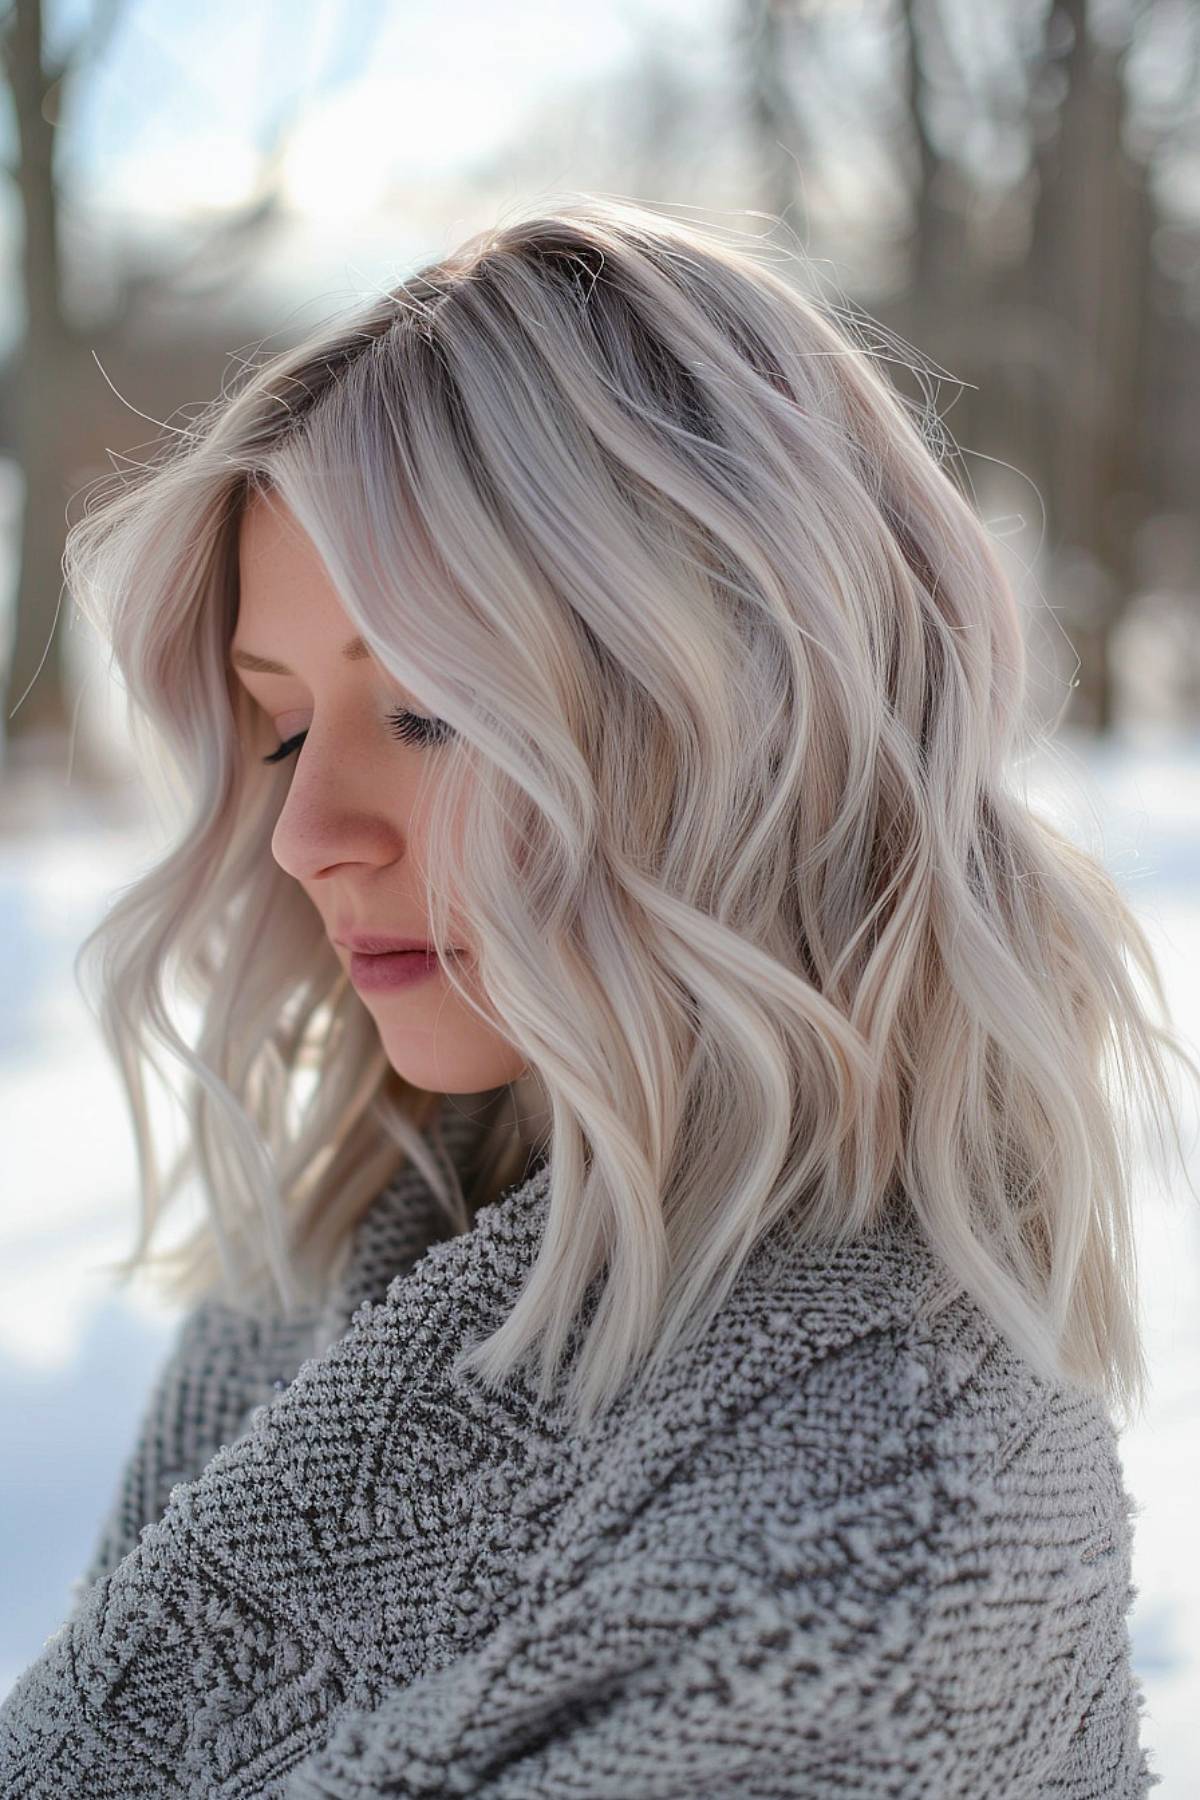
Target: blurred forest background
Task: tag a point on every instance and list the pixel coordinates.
(1010, 186)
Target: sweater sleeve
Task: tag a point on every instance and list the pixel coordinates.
(188, 1412)
(919, 1618)
(921, 1639)
(218, 1367)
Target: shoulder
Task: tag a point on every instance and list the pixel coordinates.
(876, 1337)
(833, 1393)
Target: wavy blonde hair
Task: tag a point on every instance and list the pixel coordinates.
(737, 682)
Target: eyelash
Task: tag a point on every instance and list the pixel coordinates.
(409, 727)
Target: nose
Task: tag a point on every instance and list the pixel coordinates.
(341, 807)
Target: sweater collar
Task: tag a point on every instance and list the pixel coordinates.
(406, 1220)
(789, 1307)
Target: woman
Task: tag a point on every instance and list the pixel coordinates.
(662, 1337)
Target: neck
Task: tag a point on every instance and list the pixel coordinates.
(531, 1106)
(522, 1102)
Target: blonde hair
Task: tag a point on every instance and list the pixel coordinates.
(737, 681)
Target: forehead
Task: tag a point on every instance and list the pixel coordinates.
(282, 581)
(271, 542)
(287, 599)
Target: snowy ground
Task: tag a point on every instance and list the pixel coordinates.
(76, 1362)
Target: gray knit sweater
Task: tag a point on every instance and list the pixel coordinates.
(835, 1554)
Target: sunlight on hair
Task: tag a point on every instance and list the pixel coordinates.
(737, 681)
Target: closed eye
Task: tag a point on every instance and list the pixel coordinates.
(409, 727)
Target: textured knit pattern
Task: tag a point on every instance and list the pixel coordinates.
(835, 1553)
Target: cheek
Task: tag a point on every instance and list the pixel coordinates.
(458, 929)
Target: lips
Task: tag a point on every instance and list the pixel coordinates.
(365, 943)
(385, 971)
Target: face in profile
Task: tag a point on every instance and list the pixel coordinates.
(352, 827)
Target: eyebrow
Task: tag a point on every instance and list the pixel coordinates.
(354, 651)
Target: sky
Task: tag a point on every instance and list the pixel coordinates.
(394, 102)
(423, 85)
(171, 125)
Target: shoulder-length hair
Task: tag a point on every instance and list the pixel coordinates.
(737, 683)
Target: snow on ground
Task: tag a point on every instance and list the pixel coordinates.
(77, 1357)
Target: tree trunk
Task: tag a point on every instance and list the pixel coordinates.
(36, 702)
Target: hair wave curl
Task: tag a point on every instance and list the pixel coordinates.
(738, 683)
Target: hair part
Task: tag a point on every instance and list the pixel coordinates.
(738, 685)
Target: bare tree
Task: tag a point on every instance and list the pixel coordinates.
(765, 35)
(1057, 323)
(46, 357)
(1091, 266)
(55, 358)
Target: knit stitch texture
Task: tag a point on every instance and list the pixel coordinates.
(836, 1553)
